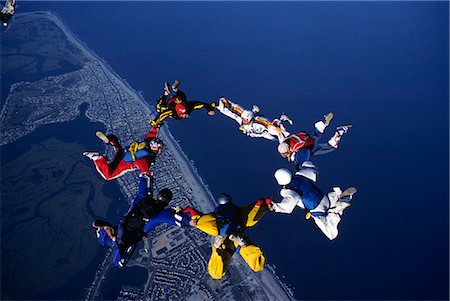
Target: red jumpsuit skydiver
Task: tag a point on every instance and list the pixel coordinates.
(136, 156)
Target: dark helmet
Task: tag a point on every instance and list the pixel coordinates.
(164, 196)
(224, 199)
(156, 145)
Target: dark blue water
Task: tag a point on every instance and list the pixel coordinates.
(134, 276)
(79, 131)
(10, 76)
(383, 66)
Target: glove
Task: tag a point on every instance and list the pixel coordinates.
(218, 240)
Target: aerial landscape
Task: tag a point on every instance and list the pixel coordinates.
(65, 75)
(58, 99)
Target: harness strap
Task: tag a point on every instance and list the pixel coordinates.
(134, 147)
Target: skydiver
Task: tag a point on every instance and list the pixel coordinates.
(138, 155)
(228, 224)
(132, 228)
(177, 106)
(300, 190)
(299, 147)
(253, 124)
(7, 11)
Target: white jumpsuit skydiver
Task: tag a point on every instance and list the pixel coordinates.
(257, 126)
(300, 190)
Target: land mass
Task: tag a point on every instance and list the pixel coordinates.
(177, 260)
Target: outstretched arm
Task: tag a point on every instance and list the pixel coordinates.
(197, 105)
(166, 216)
(252, 213)
(259, 130)
(225, 108)
(152, 134)
(172, 217)
(288, 203)
(161, 117)
(145, 184)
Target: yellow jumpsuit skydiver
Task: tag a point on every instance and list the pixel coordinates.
(246, 217)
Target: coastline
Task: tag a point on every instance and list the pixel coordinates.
(184, 163)
(187, 168)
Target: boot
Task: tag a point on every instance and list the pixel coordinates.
(175, 85)
(102, 137)
(284, 117)
(92, 155)
(349, 192)
(328, 118)
(166, 88)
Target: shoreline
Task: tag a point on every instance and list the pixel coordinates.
(187, 168)
(182, 158)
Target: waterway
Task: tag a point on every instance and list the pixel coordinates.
(80, 131)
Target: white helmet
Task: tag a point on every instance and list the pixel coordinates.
(283, 148)
(283, 176)
(247, 115)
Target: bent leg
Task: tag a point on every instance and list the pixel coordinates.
(180, 94)
(219, 260)
(109, 172)
(322, 149)
(328, 224)
(253, 256)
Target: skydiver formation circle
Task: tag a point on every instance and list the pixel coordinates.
(228, 222)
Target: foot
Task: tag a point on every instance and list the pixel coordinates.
(343, 129)
(166, 88)
(328, 118)
(340, 131)
(175, 85)
(102, 137)
(92, 155)
(349, 192)
(284, 117)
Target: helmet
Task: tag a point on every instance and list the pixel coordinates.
(180, 109)
(224, 199)
(155, 145)
(164, 196)
(247, 115)
(283, 176)
(283, 148)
